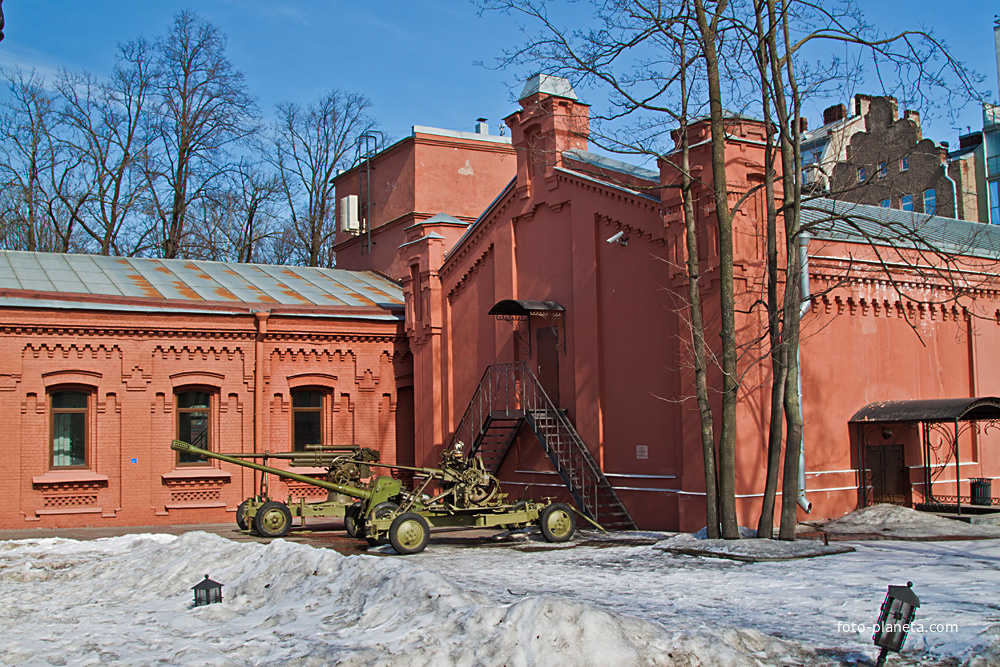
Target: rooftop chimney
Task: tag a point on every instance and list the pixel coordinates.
(970, 140)
(834, 113)
(481, 126)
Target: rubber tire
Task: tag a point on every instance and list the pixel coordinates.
(273, 519)
(409, 533)
(557, 522)
(241, 515)
(353, 523)
(380, 510)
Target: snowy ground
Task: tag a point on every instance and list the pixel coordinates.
(126, 600)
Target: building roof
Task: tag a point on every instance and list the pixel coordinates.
(612, 164)
(859, 223)
(93, 281)
(549, 85)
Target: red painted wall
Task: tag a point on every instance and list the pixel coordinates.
(132, 364)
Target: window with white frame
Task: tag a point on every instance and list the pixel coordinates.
(906, 202)
(307, 418)
(69, 408)
(194, 420)
(930, 202)
(885, 203)
(862, 175)
(904, 163)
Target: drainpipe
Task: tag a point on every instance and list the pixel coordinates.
(803, 501)
(258, 387)
(954, 189)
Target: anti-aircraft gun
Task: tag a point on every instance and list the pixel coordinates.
(464, 495)
(346, 468)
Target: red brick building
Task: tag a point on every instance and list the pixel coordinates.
(105, 360)
(544, 326)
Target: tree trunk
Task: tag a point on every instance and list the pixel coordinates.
(727, 301)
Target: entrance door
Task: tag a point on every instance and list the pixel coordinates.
(887, 473)
(548, 362)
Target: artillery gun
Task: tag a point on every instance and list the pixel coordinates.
(464, 495)
(346, 468)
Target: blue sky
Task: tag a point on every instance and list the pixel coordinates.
(414, 60)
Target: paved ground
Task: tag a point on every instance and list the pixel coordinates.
(321, 535)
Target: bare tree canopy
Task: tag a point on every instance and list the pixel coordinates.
(167, 157)
(202, 108)
(309, 145)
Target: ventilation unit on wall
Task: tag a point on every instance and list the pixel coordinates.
(349, 220)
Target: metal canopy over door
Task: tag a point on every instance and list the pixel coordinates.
(941, 422)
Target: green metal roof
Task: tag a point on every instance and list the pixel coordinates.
(79, 278)
(859, 223)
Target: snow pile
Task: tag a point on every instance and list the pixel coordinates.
(748, 549)
(127, 601)
(744, 532)
(897, 521)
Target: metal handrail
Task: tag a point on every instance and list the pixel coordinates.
(512, 389)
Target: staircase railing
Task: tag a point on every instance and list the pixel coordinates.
(499, 390)
(512, 389)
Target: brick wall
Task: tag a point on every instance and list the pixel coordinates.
(131, 366)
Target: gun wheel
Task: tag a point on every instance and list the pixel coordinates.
(381, 511)
(241, 515)
(352, 520)
(273, 519)
(557, 522)
(409, 533)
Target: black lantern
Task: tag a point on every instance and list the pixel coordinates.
(898, 610)
(207, 592)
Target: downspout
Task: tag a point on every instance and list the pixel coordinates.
(954, 189)
(258, 387)
(803, 501)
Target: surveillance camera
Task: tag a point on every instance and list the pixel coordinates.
(617, 237)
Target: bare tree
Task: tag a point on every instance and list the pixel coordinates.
(238, 221)
(32, 164)
(309, 145)
(106, 132)
(202, 108)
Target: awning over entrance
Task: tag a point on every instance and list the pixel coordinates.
(890, 436)
(982, 408)
(522, 308)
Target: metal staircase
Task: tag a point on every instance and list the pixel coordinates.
(509, 396)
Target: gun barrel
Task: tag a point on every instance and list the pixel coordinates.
(353, 492)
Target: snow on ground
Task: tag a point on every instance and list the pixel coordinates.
(897, 521)
(126, 601)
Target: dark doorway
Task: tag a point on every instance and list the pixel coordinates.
(887, 474)
(405, 454)
(548, 362)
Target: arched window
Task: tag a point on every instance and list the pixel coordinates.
(69, 428)
(194, 422)
(307, 418)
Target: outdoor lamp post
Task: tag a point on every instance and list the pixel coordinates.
(898, 610)
(207, 592)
